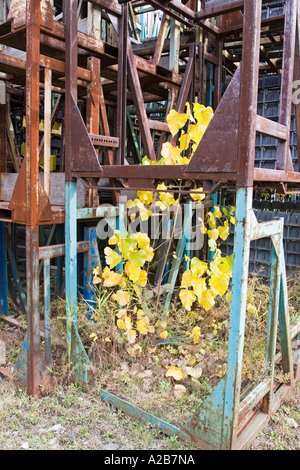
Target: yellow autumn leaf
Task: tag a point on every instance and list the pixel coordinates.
(213, 234)
(127, 321)
(149, 254)
(96, 271)
(133, 272)
(176, 121)
(196, 334)
(164, 334)
(198, 267)
(113, 240)
(166, 198)
(143, 241)
(175, 372)
(130, 204)
(224, 232)
(121, 324)
(131, 336)
(187, 298)
(142, 280)
(219, 284)
(122, 297)
(252, 310)
(112, 258)
(145, 214)
(121, 313)
(142, 325)
(140, 313)
(214, 267)
(96, 279)
(186, 280)
(197, 110)
(170, 153)
(207, 300)
(145, 197)
(203, 114)
(111, 278)
(194, 372)
(196, 132)
(93, 336)
(199, 287)
(211, 220)
(184, 141)
(137, 291)
(221, 370)
(199, 196)
(189, 112)
(217, 212)
(160, 205)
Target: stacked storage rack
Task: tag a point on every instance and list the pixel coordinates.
(268, 107)
(265, 157)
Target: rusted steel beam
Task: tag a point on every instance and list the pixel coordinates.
(53, 251)
(138, 99)
(297, 82)
(3, 149)
(176, 10)
(112, 6)
(220, 7)
(161, 39)
(32, 191)
(93, 114)
(47, 129)
(271, 128)
(122, 85)
(284, 161)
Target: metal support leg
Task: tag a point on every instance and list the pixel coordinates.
(215, 422)
(91, 261)
(3, 272)
(71, 257)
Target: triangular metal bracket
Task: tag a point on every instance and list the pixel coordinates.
(218, 148)
(84, 157)
(18, 200)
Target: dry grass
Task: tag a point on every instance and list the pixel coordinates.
(85, 422)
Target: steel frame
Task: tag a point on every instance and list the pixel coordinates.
(82, 64)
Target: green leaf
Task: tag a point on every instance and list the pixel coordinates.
(138, 258)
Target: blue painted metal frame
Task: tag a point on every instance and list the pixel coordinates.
(91, 261)
(47, 310)
(71, 257)
(3, 272)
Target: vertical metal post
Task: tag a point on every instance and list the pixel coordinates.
(71, 256)
(3, 110)
(32, 200)
(174, 45)
(122, 227)
(272, 321)
(287, 79)
(47, 129)
(70, 21)
(47, 311)
(122, 85)
(91, 261)
(3, 272)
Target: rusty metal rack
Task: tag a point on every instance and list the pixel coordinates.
(91, 57)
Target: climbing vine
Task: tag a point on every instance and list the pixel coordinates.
(129, 256)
